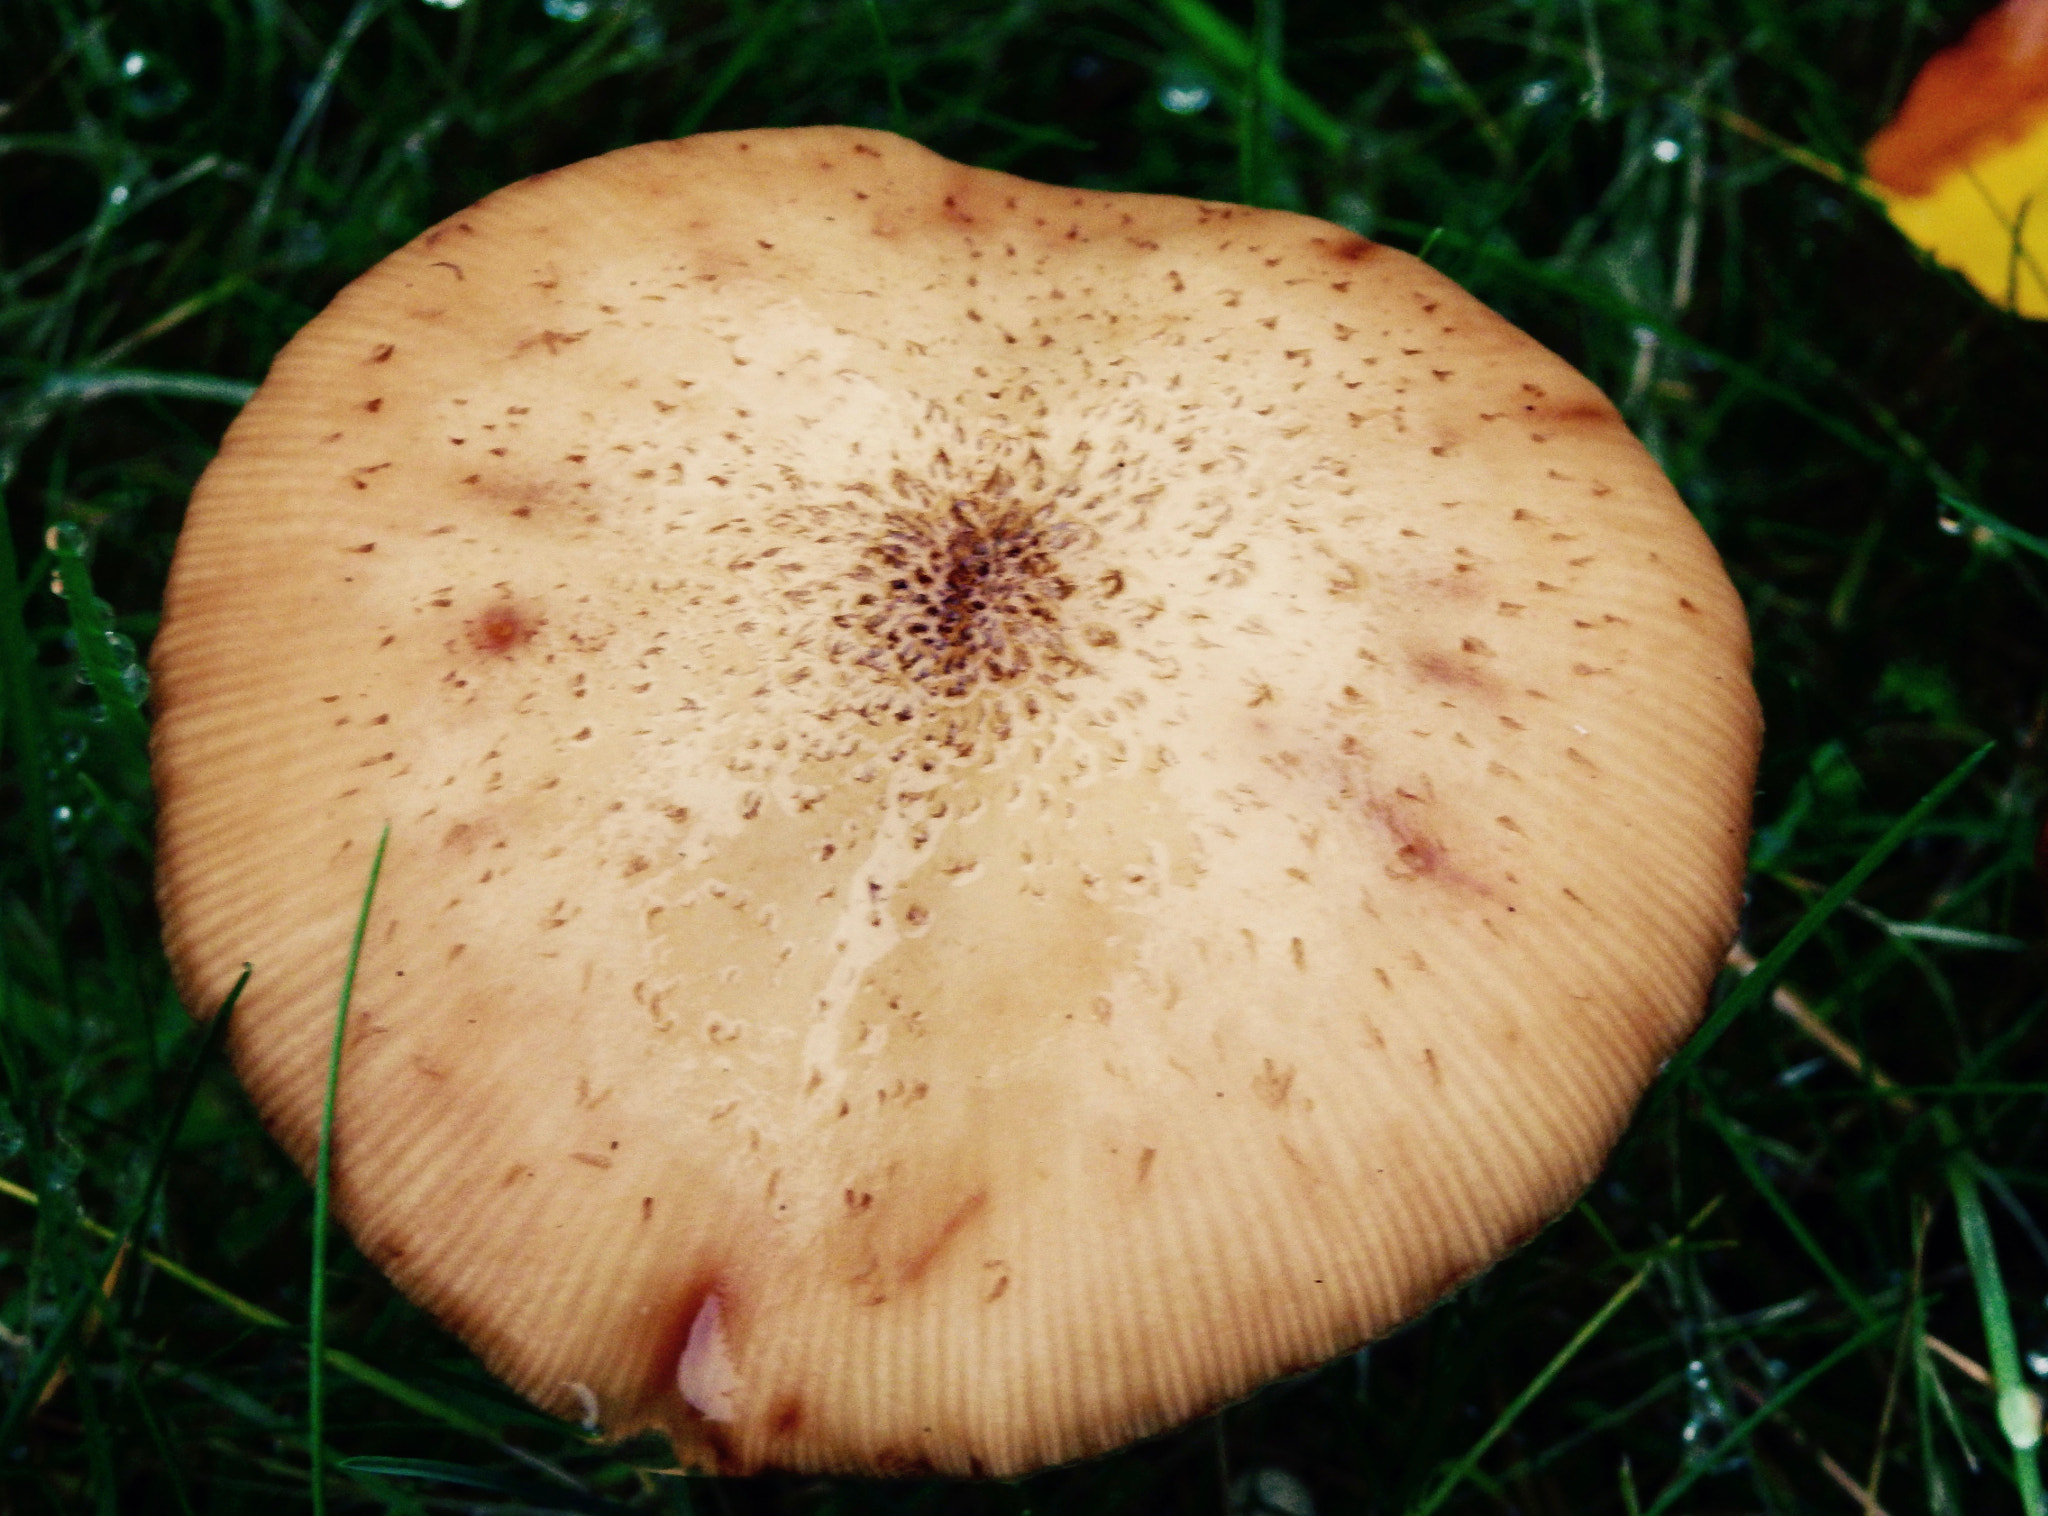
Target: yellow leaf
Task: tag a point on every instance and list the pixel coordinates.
(1963, 168)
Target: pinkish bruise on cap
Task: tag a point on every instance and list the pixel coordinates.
(705, 1373)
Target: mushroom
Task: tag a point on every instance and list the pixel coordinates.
(1963, 168)
(1012, 809)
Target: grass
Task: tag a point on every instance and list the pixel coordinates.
(1815, 1276)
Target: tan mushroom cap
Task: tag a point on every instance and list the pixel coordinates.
(1012, 809)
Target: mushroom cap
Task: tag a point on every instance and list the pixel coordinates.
(1011, 809)
(1967, 155)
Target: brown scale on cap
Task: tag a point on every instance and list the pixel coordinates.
(1012, 809)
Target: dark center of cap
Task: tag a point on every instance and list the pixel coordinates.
(970, 597)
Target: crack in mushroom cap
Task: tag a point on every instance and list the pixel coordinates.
(1012, 809)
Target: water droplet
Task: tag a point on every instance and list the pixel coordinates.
(1538, 91)
(152, 86)
(118, 195)
(2038, 1362)
(2019, 1417)
(1644, 337)
(1666, 150)
(1270, 1492)
(61, 815)
(1950, 525)
(567, 10)
(1185, 99)
(445, 5)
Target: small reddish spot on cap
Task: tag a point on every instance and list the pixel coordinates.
(502, 629)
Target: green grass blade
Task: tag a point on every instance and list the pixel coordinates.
(255, 1315)
(1997, 526)
(1738, 1436)
(1467, 1465)
(1759, 983)
(1463, 1469)
(525, 1491)
(106, 658)
(87, 1292)
(91, 386)
(1739, 1145)
(312, 102)
(152, 1424)
(898, 122)
(759, 34)
(316, 1325)
(1231, 51)
(1255, 116)
(2019, 1408)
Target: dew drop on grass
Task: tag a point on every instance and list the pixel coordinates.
(1184, 99)
(150, 86)
(1666, 150)
(1799, 1073)
(1270, 1492)
(571, 11)
(1708, 1409)
(2019, 1417)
